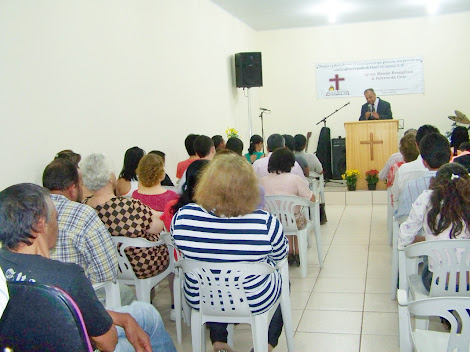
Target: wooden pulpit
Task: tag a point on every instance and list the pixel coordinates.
(368, 146)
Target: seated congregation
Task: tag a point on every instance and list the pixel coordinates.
(61, 234)
(429, 187)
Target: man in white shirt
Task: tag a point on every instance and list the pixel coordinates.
(435, 151)
(412, 170)
(274, 142)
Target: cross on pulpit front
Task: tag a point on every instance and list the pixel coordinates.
(371, 142)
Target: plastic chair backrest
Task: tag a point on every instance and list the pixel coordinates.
(122, 242)
(451, 265)
(220, 292)
(448, 308)
(42, 318)
(284, 208)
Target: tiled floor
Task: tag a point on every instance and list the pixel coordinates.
(345, 306)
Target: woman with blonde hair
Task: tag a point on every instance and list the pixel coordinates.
(151, 173)
(227, 225)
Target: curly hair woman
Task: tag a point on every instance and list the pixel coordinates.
(442, 212)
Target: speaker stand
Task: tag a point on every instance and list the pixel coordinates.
(262, 127)
(249, 111)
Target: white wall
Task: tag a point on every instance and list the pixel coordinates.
(290, 56)
(103, 76)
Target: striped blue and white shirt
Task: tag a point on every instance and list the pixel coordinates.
(256, 237)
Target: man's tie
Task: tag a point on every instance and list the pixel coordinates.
(373, 107)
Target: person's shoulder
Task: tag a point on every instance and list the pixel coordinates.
(171, 194)
(424, 197)
(259, 162)
(79, 210)
(191, 210)
(190, 207)
(39, 265)
(383, 101)
(133, 204)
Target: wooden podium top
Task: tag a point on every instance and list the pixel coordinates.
(372, 121)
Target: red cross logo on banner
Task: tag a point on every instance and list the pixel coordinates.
(336, 80)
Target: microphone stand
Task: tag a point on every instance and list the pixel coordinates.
(262, 126)
(334, 112)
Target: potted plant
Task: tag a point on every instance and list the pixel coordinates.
(372, 177)
(231, 132)
(351, 177)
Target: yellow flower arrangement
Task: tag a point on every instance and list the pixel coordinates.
(231, 132)
(351, 176)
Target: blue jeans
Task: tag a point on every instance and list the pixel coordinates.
(150, 320)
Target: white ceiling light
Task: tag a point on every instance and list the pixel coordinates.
(332, 17)
(331, 9)
(433, 6)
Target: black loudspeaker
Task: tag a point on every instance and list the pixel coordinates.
(248, 71)
(338, 146)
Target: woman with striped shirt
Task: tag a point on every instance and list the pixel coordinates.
(224, 226)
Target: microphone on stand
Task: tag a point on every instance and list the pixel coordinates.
(370, 110)
(263, 109)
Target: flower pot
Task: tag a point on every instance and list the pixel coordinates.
(372, 186)
(351, 187)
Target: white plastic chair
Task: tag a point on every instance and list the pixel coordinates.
(227, 303)
(112, 292)
(449, 258)
(447, 263)
(395, 270)
(126, 274)
(423, 340)
(390, 212)
(316, 182)
(283, 208)
(182, 309)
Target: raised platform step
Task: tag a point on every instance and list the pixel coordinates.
(340, 197)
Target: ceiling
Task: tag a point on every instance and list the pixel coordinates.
(281, 14)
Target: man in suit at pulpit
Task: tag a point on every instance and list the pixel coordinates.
(375, 108)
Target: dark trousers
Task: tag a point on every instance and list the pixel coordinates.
(218, 331)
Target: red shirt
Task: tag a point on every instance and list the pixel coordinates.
(167, 215)
(155, 201)
(182, 166)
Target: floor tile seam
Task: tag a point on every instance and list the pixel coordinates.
(339, 310)
(327, 251)
(365, 281)
(330, 333)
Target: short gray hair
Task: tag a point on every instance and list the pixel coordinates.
(275, 141)
(21, 208)
(96, 171)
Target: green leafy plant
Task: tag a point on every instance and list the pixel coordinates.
(351, 176)
(372, 177)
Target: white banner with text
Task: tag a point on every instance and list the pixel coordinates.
(386, 77)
